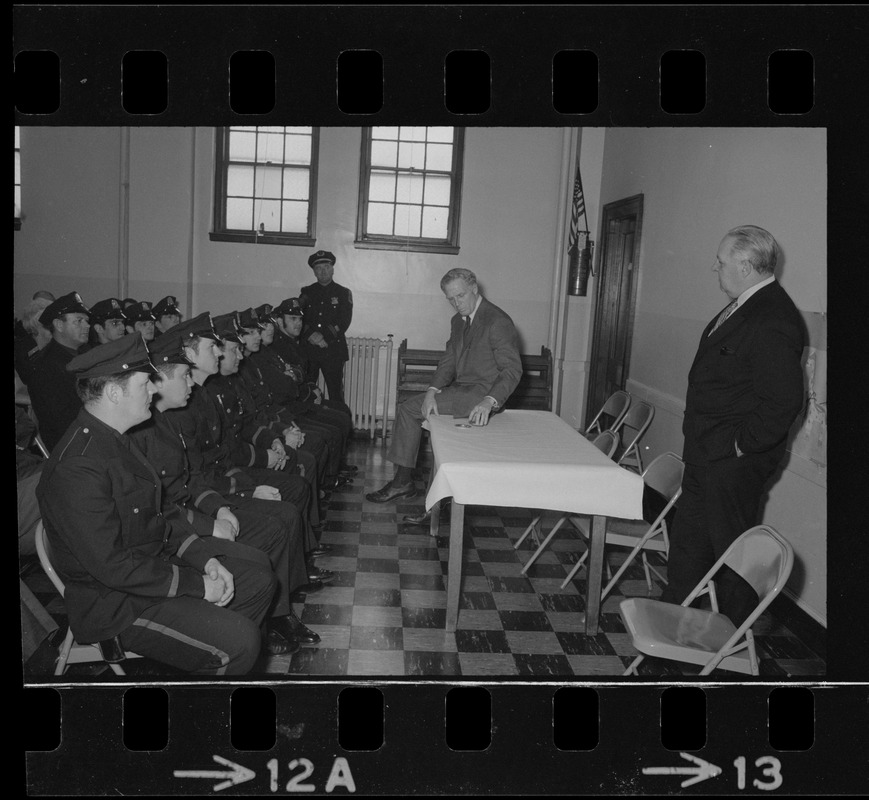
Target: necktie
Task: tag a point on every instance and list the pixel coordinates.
(722, 317)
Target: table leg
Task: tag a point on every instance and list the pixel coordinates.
(454, 578)
(596, 540)
(434, 522)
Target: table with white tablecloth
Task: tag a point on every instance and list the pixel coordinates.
(527, 459)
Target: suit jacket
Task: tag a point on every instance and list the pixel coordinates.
(489, 359)
(52, 392)
(746, 384)
(117, 554)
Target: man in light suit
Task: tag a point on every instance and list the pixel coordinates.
(745, 389)
(478, 372)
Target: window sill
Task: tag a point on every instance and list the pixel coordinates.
(265, 238)
(407, 245)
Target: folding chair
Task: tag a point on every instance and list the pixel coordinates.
(763, 558)
(71, 652)
(616, 407)
(637, 420)
(663, 481)
(606, 442)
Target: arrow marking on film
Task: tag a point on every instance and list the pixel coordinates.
(701, 772)
(235, 775)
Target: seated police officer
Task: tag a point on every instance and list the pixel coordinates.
(167, 314)
(133, 578)
(108, 321)
(141, 319)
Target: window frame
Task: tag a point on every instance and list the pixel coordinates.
(219, 231)
(450, 245)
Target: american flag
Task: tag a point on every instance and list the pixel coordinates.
(577, 210)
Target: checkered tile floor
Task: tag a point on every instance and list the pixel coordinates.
(384, 614)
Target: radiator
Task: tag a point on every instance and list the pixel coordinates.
(368, 380)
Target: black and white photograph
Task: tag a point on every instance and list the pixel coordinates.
(418, 400)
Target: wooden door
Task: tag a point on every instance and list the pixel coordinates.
(618, 258)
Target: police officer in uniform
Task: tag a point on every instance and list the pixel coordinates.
(328, 312)
(167, 314)
(141, 319)
(134, 581)
(108, 321)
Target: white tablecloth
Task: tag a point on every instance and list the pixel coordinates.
(529, 459)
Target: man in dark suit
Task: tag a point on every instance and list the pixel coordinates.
(478, 372)
(745, 389)
(52, 387)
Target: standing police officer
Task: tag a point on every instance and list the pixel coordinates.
(328, 312)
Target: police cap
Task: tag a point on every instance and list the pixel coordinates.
(291, 308)
(166, 307)
(226, 327)
(266, 312)
(196, 327)
(249, 319)
(140, 312)
(105, 310)
(168, 349)
(127, 354)
(321, 255)
(68, 304)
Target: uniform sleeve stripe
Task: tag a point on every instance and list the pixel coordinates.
(186, 543)
(176, 580)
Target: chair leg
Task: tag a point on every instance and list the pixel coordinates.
(63, 653)
(625, 564)
(752, 653)
(576, 568)
(528, 530)
(632, 669)
(648, 574)
(544, 545)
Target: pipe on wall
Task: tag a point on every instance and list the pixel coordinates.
(191, 228)
(558, 302)
(124, 215)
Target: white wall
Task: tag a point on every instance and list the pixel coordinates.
(70, 233)
(698, 183)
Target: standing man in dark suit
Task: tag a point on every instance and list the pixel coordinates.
(478, 372)
(328, 313)
(745, 389)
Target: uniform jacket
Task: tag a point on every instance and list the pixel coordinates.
(117, 554)
(489, 359)
(203, 428)
(293, 353)
(745, 386)
(52, 392)
(185, 492)
(329, 310)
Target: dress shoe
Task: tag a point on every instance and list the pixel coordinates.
(322, 575)
(278, 645)
(340, 481)
(320, 550)
(389, 493)
(293, 629)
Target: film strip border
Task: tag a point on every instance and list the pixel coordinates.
(507, 65)
(441, 739)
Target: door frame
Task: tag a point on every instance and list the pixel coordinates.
(614, 210)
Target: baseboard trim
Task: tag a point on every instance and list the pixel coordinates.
(802, 624)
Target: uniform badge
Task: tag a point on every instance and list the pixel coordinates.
(334, 301)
